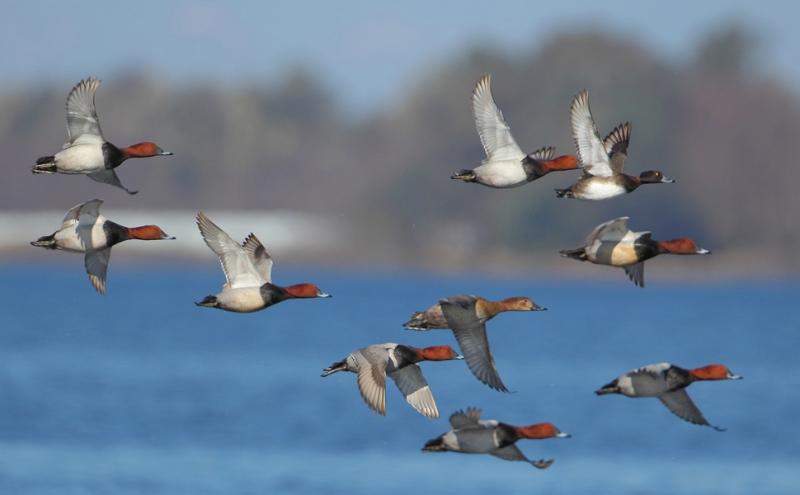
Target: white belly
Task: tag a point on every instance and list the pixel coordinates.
(242, 300)
(502, 174)
(82, 238)
(599, 190)
(80, 159)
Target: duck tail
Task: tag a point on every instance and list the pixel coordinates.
(45, 165)
(577, 254)
(564, 193)
(417, 322)
(435, 445)
(608, 388)
(465, 175)
(335, 367)
(47, 242)
(208, 302)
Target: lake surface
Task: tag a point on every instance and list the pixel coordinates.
(141, 392)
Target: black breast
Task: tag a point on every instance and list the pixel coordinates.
(506, 434)
(115, 233)
(629, 182)
(678, 378)
(645, 247)
(533, 168)
(404, 356)
(273, 294)
(112, 156)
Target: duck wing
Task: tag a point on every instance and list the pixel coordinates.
(611, 231)
(470, 332)
(616, 146)
(512, 453)
(109, 176)
(591, 151)
(88, 212)
(96, 267)
(635, 272)
(372, 362)
(681, 405)
(412, 384)
(498, 143)
(462, 419)
(237, 265)
(83, 126)
(259, 256)
(543, 154)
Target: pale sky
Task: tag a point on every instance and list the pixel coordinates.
(366, 52)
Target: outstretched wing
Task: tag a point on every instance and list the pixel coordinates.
(109, 176)
(83, 126)
(681, 405)
(96, 267)
(543, 154)
(498, 143)
(611, 231)
(412, 384)
(461, 419)
(237, 265)
(591, 151)
(259, 256)
(372, 363)
(512, 453)
(89, 210)
(470, 332)
(616, 146)
(636, 273)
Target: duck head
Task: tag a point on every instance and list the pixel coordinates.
(438, 353)
(148, 233)
(653, 177)
(305, 291)
(681, 246)
(521, 304)
(144, 150)
(714, 372)
(540, 431)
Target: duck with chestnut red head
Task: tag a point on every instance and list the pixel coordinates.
(373, 363)
(612, 243)
(85, 230)
(472, 435)
(602, 161)
(668, 383)
(248, 273)
(433, 318)
(87, 151)
(466, 316)
(505, 165)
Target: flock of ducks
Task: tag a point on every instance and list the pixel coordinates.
(248, 267)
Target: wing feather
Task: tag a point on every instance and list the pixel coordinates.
(591, 151)
(495, 134)
(83, 126)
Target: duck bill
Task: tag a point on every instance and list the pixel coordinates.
(323, 295)
(459, 357)
(735, 377)
(668, 180)
(702, 251)
(166, 153)
(536, 307)
(168, 237)
(563, 434)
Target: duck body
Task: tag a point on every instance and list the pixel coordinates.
(374, 363)
(485, 310)
(505, 166)
(471, 435)
(612, 243)
(248, 274)
(87, 152)
(668, 382)
(85, 230)
(602, 161)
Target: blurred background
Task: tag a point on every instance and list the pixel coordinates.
(330, 129)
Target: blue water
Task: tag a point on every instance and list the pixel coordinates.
(141, 392)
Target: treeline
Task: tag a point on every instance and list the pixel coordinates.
(710, 120)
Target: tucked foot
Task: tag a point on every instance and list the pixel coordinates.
(47, 242)
(564, 193)
(542, 463)
(465, 175)
(45, 165)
